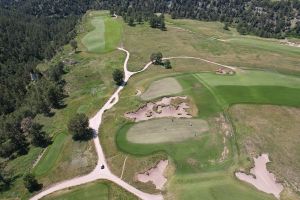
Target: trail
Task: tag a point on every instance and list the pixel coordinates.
(123, 168)
(95, 122)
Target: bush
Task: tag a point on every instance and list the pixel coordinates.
(31, 183)
(79, 127)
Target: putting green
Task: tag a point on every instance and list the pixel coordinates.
(163, 87)
(94, 41)
(166, 130)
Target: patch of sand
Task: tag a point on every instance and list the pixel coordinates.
(162, 87)
(155, 175)
(162, 108)
(261, 178)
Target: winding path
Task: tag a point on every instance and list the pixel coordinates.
(95, 123)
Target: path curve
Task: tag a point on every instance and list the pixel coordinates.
(95, 123)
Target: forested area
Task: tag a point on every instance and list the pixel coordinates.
(30, 32)
(264, 18)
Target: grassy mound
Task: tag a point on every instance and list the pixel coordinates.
(162, 87)
(166, 130)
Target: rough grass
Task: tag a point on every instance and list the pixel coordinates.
(166, 130)
(273, 130)
(162, 87)
(99, 190)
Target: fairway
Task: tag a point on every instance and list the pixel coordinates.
(166, 130)
(92, 191)
(94, 41)
(162, 87)
(49, 159)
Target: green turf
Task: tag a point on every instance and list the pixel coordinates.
(106, 33)
(50, 156)
(91, 191)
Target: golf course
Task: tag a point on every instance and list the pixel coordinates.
(229, 118)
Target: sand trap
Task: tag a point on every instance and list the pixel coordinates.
(166, 130)
(167, 107)
(261, 178)
(155, 175)
(163, 87)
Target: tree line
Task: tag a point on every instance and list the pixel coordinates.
(264, 18)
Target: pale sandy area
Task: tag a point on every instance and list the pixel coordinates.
(155, 175)
(261, 178)
(158, 109)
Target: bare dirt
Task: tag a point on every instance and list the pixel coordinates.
(261, 178)
(167, 107)
(155, 175)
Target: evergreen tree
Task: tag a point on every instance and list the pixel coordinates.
(118, 76)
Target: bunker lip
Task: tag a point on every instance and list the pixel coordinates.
(162, 108)
(155, 175)
(261, 178)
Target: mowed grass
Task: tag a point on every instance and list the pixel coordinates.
(174, 130)
(257, 87)
(162, 87)
(105, 33)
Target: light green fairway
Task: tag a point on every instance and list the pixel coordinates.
(105, 35)
(48, 161)
(251, 78)
(94, 41)
(90, 191)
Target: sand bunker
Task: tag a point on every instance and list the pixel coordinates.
(167, 107)
(155, 175)
(163, 87)
(166, 130)
(261, 178)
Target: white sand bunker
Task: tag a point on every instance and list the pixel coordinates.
(155, 175)
(163, 87)
(167, 107)
(261, 178)
(165, 130)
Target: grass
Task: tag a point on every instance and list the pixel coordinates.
(105, 35)
(175, 130)
(270, 129)
(163, 87)
(100, 190)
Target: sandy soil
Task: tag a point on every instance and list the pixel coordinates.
(155, 175)
(162, 108)
(261, 178)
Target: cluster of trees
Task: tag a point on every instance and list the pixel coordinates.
(264, 18)
(157, 59)
(158, 22)
(79, 127)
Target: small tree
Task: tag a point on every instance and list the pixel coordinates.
(79, 127)
(226, 26)
(38, 137)
(74, 45)
(31, 183)
(167, 64)
(156, 58)
(131, 21)
(118, 76)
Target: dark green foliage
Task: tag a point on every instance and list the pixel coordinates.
(78, 126)
(131, 21)
(5, 177)
(118, 76)
(167, 64)
(38, 137)
(262, 18)
(226, 26)
(157, 22)
(73, 44)
(156, 58)
(30, 183)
